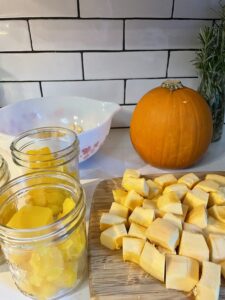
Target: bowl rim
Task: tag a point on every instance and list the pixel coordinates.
(115, 107)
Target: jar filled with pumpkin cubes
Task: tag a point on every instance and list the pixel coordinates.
(47, 148)
(43, 233)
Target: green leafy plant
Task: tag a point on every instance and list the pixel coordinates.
(210, 63)
(210, 59)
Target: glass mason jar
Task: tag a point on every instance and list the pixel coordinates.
(49, 261)
(47, 148)
(4, 171)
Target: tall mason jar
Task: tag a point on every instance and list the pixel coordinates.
(46, 262)
(47, 148)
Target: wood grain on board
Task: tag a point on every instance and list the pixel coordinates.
(109, 277)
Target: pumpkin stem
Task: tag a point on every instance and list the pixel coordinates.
(172, 85)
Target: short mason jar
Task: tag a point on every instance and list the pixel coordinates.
(47, 148)
(50, 261)
(4, 171)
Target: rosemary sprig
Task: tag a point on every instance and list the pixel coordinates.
(210, 59)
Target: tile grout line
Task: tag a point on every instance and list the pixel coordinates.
(40, 86)
(123, 35)
(167, 66)
(128, 104)
(124, 92)
(82, 66)
(102, 79)
(98, 51)
(120, 127)
(31, 42)
(173, 4)
(78, 9)
(104, 18)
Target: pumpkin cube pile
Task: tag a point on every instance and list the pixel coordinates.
(173, 228)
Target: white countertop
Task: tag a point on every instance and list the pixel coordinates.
(110, 161)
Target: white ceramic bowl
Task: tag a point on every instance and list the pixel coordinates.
(94, 116)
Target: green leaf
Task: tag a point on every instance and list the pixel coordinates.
(210, 58)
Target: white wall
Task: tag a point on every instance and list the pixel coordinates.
(113, 50)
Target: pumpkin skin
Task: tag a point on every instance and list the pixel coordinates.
(171, 128)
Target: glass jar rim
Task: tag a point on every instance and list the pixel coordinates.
(73, 213)
(4, 171)
(2, 161)
(13, 146)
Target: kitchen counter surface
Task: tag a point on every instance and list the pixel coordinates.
(110, 161)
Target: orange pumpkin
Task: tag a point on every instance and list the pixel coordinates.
(171, 126)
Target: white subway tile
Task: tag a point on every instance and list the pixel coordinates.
(205, 9)
(40, 66)
(38, 8)
(107, 90)
(11, 92)
(181, 64)
(125, 65)
(135, 89)
(77, 34)
(163, 34)
(14, 36)
(122, 118)
(126, 8)
(192, 83)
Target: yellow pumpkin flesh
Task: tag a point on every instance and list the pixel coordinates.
(171, 128)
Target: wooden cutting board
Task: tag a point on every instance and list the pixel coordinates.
(109, 277)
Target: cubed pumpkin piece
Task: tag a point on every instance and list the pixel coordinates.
(217, 212)
(189, 180)
(170, 202)
(137, 231)
(179, 188)
(196, 197)
(217, 247)
(155, 189)
(198, 216)
(119, 210)
(182, 273)
(29, 216)
(208, 185)
(107, 220)
(208, 286)
(215, 226)
(174, 220)
(132, 248)
(194, 245)
(220, 179)
(217, 198)
(162, 232)
(139, 185)
(142, 216)
(165, 179)
(132, 200)
(112, 237)
(131, 173)
(153, 262)
(119, 195)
